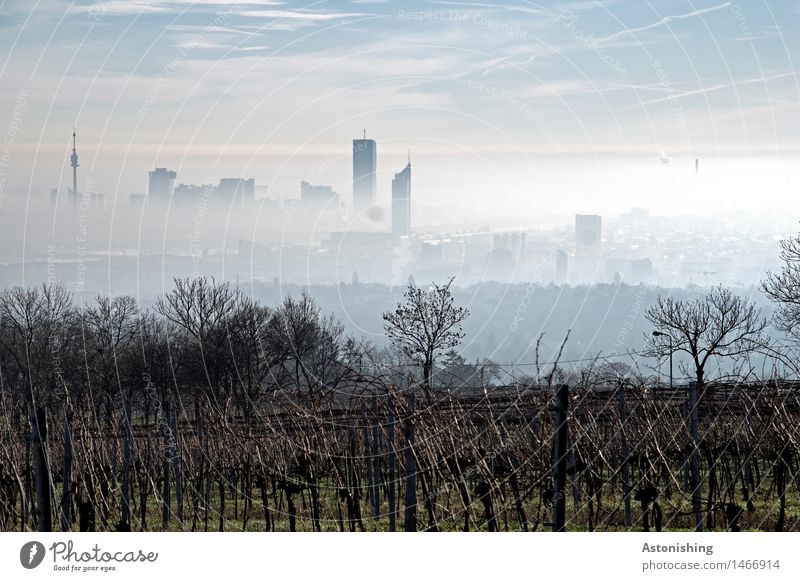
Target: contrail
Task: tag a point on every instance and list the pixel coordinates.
(666, 20)
(711, 88)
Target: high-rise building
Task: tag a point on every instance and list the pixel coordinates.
(588, 232)
(512, 242)
(318, 198)
(160, 184)
(237, 191)
(401, 203)
(365, 160)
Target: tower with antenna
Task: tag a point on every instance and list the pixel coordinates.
(74, 163)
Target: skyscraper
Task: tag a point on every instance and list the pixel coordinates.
(401, 203)
(365, 159)
(161, 183)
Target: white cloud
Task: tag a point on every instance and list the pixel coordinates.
(250, 48)
(301, 14)
(528, 9)
(193, 44)
(131, 7)
(189, 28)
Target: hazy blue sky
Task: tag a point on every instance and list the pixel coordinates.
(161, 82)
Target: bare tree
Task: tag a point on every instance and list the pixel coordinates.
(245, 330)
(32, 337)
(720, 324)
(153, 366)
(109, 330)
(424, 325)
(304, 347)
(203, 310)
(783, 288)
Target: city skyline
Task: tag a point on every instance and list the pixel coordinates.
(253, 88)
(229, 302)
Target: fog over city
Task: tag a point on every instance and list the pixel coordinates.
(565, 169)
(399, 265)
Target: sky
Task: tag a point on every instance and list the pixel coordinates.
(276, 90)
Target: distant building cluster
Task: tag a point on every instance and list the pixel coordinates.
(315, 199)
(161, 188)
(319, 198)
(321, 236)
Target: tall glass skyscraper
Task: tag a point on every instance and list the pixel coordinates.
(401, 203)
(365, 159)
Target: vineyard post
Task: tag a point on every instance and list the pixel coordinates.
(695, 458)
(367, 461)
(392, 469)
(560, 458)
(66, 503)
(410, 517)
(781, 464)
(42, 470)
(176, 465)
(126, 469)
(624, 454)
(748, 476)
(202, 477)
(534, 438)
(376, 460)
(165, 468)
(221, 482)
(27, 494)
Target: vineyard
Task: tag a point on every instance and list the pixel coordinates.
(214, 412)
(594, 456)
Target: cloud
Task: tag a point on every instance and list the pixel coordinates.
(560, 89)
(666, 20)
(536, 11)
(207, 29)
(250, 48)
(128, 7)
(301, 14)
(120, 8)
(200, 44)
